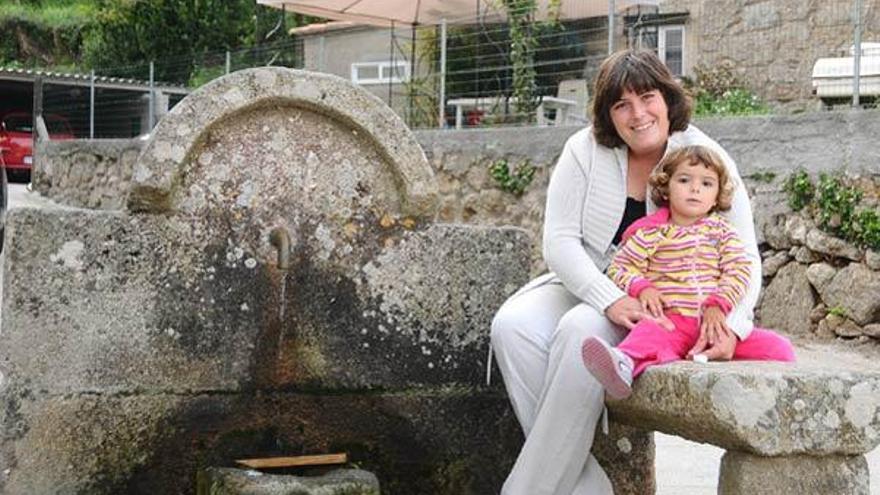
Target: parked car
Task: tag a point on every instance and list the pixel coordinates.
(16, 140)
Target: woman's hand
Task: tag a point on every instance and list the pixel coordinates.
(652, 301)
(626, 312)
(717, 342)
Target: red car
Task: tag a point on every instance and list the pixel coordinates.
(16, 139)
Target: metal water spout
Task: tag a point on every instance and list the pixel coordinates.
(280, 239)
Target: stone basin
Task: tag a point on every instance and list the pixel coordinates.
(230, 481)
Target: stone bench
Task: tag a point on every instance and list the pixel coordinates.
(788, 428)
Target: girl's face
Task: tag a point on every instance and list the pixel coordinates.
(642, 121)
(693, 192)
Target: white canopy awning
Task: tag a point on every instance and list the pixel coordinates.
(434, 12)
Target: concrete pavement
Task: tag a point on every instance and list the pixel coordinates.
(688, 468)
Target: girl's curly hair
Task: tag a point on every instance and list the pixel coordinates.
(659, 179)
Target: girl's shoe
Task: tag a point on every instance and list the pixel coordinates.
(612, 368)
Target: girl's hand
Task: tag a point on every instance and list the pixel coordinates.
(716, 339)
(652, 302)
(626, 312)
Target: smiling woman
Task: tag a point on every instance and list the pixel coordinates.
(598, 188)
(642, 121)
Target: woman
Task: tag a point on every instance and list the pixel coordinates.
(598, 187)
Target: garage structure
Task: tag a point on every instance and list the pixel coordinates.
(95, 107)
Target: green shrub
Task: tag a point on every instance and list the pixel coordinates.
(512, 179)
(733, 102)
(834, 202)
(837, 311)
(836, 205)
(718, 91)
(204, 75)
(800, 190)
(765, 176)
(867, 228)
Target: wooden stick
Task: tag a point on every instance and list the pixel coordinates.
(301, 460)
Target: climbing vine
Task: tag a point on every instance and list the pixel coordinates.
(510, 178)
(523, 42)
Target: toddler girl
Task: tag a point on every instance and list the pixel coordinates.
(688, 268)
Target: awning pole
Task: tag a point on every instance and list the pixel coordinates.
(412, 75)
(610, 27)
(442, 109)
(391, 77)
(92, 105)
(151, 115)
(857, 52)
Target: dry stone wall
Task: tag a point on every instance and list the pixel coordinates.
(818, 284)
(86, 173)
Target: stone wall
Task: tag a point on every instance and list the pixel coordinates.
(766, 148)
(762, 146)
(83, 173)
(86, 173)
(773, 44)
(818, 284)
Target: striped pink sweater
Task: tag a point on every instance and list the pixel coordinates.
(703, 264)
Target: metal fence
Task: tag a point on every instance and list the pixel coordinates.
(772, 56)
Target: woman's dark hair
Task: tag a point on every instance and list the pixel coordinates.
(639, 71)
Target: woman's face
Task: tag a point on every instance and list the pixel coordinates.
(642, 121)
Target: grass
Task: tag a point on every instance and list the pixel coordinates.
(53, 14)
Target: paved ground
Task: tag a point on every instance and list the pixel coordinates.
(683, 467)
(688, 468)
(19, 196)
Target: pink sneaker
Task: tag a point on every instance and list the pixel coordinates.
(612, 368)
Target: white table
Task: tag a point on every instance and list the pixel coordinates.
(561, 105)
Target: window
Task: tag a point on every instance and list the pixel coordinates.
(670, 48)
(380, 72)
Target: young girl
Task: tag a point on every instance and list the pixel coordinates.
(688, 268)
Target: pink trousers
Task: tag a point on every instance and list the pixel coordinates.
(649, 344)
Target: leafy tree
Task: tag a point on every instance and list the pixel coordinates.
(187, 39)
(128, 33)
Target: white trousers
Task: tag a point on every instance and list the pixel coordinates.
(536, 337)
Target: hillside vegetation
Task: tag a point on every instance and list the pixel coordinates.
(44, 34)
(121, 37)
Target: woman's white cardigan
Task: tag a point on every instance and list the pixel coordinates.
(585, 203)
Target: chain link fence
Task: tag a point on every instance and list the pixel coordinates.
(734, 58)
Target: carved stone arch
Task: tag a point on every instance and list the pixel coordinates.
(179, 139)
